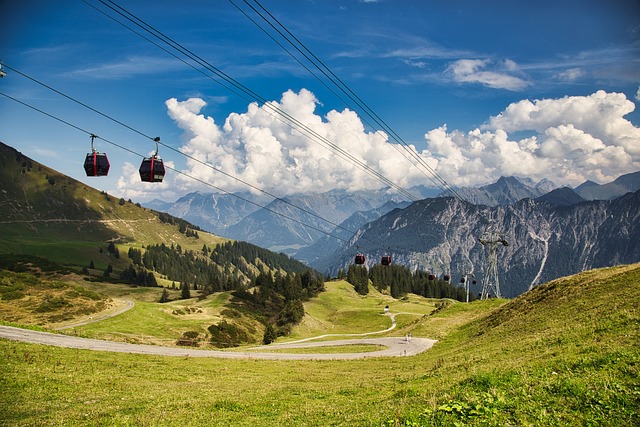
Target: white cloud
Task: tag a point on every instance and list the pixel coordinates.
(638, 94)
(497, 75)
(570, 75)
(132, 66)
(568, 141)
(259, 148)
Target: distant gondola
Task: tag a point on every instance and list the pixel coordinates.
(386, 260)
(96, 164)
(432, 276)
(152, 168)
(447, 277)
(359, 259)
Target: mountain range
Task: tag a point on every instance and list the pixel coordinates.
(550, 234)
(545, 241)
(319, 229)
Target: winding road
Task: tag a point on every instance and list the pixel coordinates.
(394, 346)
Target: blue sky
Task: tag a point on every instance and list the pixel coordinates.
(544, 89)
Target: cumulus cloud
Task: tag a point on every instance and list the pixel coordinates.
(566, 140)
(569, 140)
(260, 148)
(497, 75)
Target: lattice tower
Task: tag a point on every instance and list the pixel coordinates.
(491, 240)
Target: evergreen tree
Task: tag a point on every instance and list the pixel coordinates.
(358, 277)
(165, 296)
(269, 334)
(185, 291)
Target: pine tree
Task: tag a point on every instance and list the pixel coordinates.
(185, 291)
(270, 334)
(165, 296)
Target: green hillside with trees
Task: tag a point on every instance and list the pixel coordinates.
(565, 353)
(48, 216)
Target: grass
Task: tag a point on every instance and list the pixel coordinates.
(565, 353)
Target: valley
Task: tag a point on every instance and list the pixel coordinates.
(137, 317)
(556, 355)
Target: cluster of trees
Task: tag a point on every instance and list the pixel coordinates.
(399, 280)
(277, 299)
(272, 285)
(184, 227)
(227, 266)
(139, 277)
(232, 252)
(188, 267)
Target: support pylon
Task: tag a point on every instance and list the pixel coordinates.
(491, 240)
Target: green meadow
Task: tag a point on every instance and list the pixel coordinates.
(565, 353)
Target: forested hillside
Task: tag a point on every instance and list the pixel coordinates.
(398, 280)
(110, 240)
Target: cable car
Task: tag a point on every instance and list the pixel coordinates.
(462, 280)
(386, 260)
(359, 259)
(432, 276)
(447, 277)
(96, 164)
(152, 168)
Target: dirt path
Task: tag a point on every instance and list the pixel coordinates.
(128, 305)
(394, 346)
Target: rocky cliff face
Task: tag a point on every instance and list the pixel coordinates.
(545, 241)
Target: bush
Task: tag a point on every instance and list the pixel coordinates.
(189, 338)
(225, 335)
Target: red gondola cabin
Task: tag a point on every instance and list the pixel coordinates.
(96, 164)
(152, 169)
(386, 260)
(359, 259)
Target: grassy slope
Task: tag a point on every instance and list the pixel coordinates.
(45, 213)
(564, 354)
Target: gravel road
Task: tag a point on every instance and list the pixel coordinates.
(395, 346)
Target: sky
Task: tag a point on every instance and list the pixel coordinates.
(474, 90)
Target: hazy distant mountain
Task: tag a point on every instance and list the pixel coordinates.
(563, 196)
(624, 184)
(505, 191)
(215, 212)
(329, 243)
(545, 241)
(281, 226)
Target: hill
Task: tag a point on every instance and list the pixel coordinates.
(47, 215)
(565, 353)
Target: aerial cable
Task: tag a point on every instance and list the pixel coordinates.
(164, 49)
(349, 92)
(176, 170)
(433, 173)
(312, 58)
(157, 141)
(277, 112)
